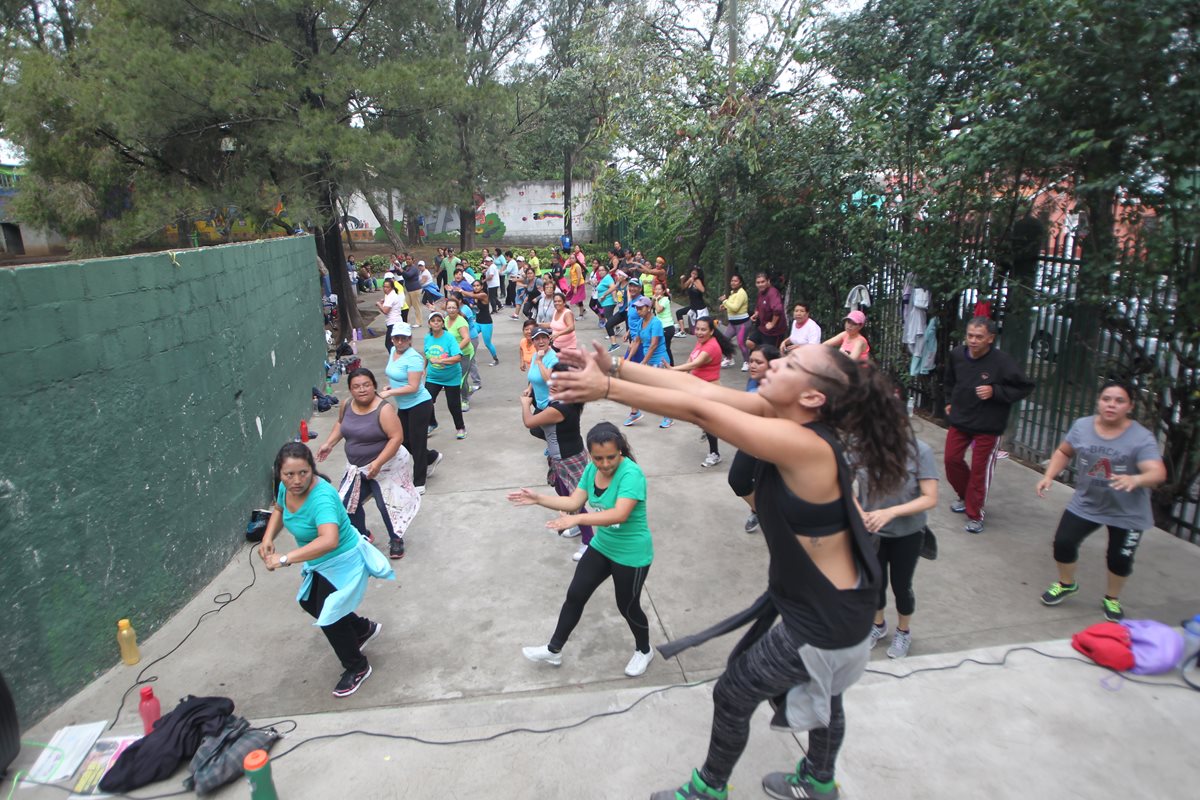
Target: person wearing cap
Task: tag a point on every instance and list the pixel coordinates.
(543, 359)
(851, 341)
(443, 357)
(414, 403)
(647, 345)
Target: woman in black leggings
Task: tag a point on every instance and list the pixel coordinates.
(621, 546)
(899, 520)
(823, 576)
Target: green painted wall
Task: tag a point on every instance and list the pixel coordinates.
(144, 399)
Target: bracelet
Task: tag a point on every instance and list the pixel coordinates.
(616, 365)
(608, 388)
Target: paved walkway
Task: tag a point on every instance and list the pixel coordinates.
(481, 579)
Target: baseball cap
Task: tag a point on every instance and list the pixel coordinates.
(420, 263)
(857, 317)
(540, 332)
(642, 302)
(435, 313)
(402, 329)
(520, 258)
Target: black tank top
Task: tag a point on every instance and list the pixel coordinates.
(812, 607)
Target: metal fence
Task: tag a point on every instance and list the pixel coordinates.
(1131, 330)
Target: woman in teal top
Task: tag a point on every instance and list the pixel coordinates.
(444, 357)
(337, 561)
(614, 487)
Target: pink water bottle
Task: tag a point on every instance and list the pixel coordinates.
(149, 708)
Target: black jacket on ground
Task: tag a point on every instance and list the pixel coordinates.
(964, 374)
(175, 738)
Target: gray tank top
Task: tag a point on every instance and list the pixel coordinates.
(364, 436)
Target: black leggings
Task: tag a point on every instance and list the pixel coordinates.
(453, 403)
(592, 571)
(344, 634)
(415, 422)
(1073, 529)
(741, 474)
(898, 556)
(712, 443)
(610, 327)
(668, 335)
(370, 488)
(768, 668)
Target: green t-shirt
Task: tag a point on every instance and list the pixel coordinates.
(664, 314)
(460, 323)
(627, 543)
(321, 507)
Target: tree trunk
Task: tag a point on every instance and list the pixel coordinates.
(568, 165)
(329, 246)
(389, 229)
(466, 229)
(708, 226)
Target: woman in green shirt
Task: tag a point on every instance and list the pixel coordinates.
(614, 486)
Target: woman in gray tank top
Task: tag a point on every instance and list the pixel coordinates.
(376, 464)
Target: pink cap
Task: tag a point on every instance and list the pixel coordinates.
(857, 317)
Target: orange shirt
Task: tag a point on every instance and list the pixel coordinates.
(527, 351)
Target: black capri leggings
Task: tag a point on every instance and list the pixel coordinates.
(768, 668)
(668, 335)
(344, 634)
(1073, 529)
(416, 421)
(453, 402)
(898, 556)
(610, 327)
(592, 571)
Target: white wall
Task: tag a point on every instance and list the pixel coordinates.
(531, 212)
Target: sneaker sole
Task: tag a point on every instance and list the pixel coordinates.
(354, 688)
(557, 663)
(954, 510)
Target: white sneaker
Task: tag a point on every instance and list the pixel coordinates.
(570, 533)
(745, 367)
(432, 467)
(579, 553)
(711, 460)
(637, 665)
(420, 490)
(900, 644)
(726, 362)
(542, 654)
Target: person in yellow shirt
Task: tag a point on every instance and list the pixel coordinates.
(737, 311)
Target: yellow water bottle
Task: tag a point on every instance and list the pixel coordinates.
(127, 639)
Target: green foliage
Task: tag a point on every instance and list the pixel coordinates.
(381, 234)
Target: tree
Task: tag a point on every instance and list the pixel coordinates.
(169, 108)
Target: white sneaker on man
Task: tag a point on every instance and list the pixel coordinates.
(637, 665)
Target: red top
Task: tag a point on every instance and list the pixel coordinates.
(711, 371)
(770, 305)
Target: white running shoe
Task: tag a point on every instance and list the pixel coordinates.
(571, 532)
(579, 553)
(542, 654)
(745, 367)
(433, 465)
(637, 665)
(726, 363)
(711, 460)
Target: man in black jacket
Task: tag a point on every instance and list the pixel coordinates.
(982, 384)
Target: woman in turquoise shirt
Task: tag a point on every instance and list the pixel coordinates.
(337, 561)
(444, 357)
(614, 486)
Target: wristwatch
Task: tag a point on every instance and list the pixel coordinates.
(283, 561)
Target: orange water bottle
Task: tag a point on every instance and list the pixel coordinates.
(127, 640)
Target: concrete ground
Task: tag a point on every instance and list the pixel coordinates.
(482, 578)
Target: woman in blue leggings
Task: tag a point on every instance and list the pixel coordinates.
(483, 318)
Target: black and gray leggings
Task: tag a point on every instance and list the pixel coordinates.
(769, 668)
(594, 568)
(1073, 529)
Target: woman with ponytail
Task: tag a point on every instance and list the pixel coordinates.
(712, 347)
(614, 485)
(823, 576)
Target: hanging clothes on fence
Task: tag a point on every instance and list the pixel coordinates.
(858, 298)
(925, 356)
